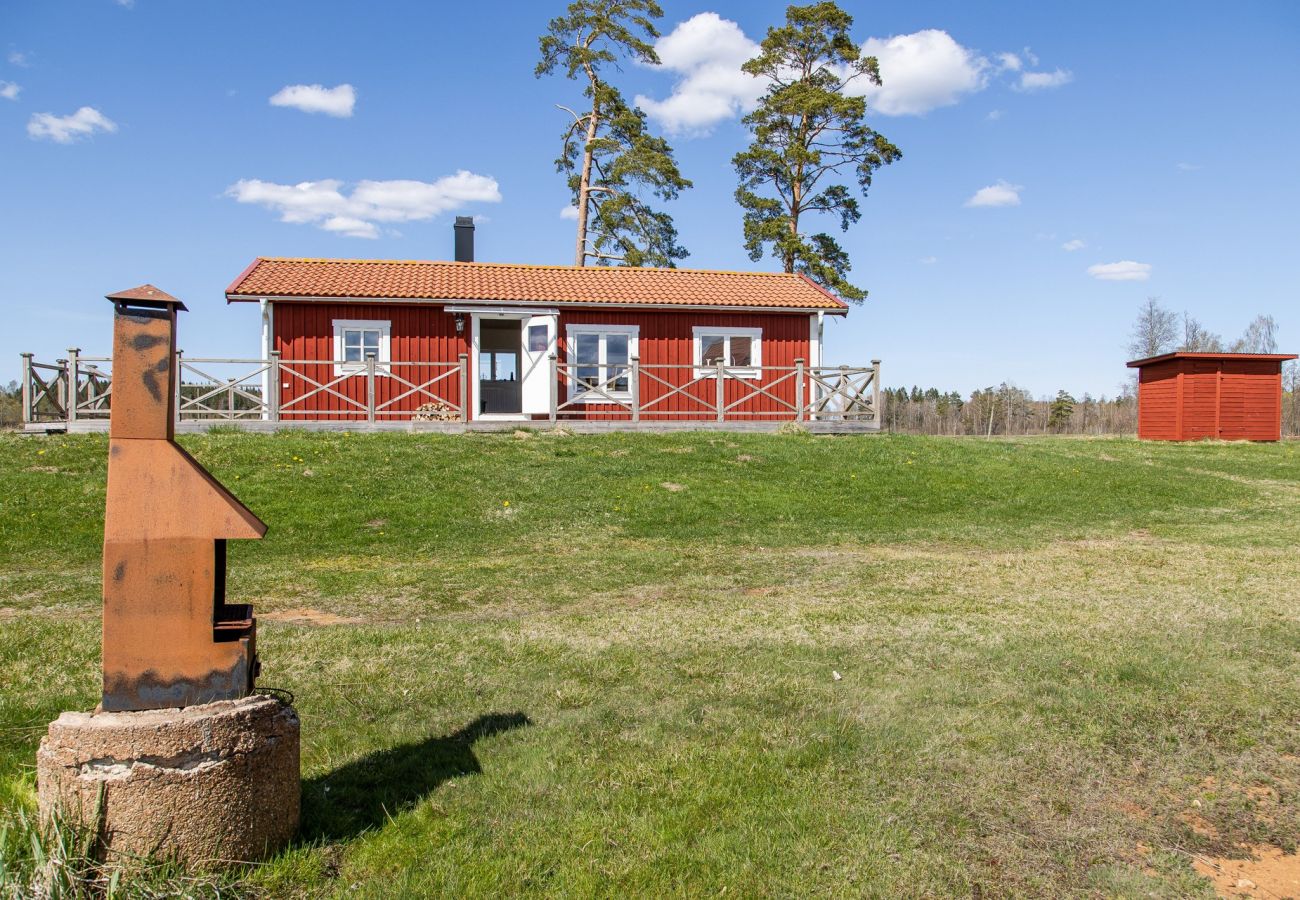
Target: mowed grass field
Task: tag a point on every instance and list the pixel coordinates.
(729, 664)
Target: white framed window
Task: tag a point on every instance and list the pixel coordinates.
(739, 349)
(599, 357)
(357, 339)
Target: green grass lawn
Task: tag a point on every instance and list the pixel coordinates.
(741, 664)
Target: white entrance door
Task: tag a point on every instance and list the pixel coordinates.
(539, 343)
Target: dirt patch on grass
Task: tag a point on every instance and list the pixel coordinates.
(1268, 872)
(303, 615)
(672, 486)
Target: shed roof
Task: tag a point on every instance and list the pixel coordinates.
(1277, 357)
(386, 279)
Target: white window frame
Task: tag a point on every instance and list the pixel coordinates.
(385, 329)
(753, 370)
(571, 332)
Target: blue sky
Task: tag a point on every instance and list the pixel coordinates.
(138, 142)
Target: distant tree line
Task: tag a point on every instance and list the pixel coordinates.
(11, 402)
(1005, 410)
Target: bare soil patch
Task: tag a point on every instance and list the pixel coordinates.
(303, 615)
(1268, 872)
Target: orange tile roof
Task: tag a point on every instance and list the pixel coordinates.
(384, 279)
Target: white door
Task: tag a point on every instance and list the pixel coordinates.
(539, 343)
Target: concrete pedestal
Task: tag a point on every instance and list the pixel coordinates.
(205, 784)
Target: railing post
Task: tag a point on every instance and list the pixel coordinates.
(370, 388)
(464, 387)
(720, 394)
(230, 398)
(73, 393)
(272, 398)
(28, 415)
(634, 388)
(180, 385)
(799, 374)
(555, 387)
(875, 390)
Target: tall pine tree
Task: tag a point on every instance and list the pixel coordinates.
(612, 162)
(807, 131)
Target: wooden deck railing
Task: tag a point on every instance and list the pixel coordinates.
(215, 390)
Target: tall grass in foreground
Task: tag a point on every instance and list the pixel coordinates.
(57, 860)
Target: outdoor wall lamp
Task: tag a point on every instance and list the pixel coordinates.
(460, 323)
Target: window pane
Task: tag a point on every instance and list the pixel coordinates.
(506, 369)
(712, 349)
(616, 348)
(351, 353)
(588, 377)
(587, 348)
(741, 350)
(371, 341)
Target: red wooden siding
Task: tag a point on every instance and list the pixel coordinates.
(420, 333)
(668, 338)
(304, 331)
(1191, 398)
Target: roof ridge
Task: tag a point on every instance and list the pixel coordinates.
(509, 265)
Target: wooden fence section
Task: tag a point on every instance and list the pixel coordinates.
(214, 390)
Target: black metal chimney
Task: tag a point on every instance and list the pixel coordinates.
(464, 239)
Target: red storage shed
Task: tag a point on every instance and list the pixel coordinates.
(1192, 396)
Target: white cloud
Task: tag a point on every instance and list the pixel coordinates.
(928, 260)
(66, 129)
(1038, 81)
(1000, 194)
(316, 98)
(994, 115)
(1125, 270)
(18, 58)
(350, 227)
(128, 4)
(920, 72)
(324, 204)
(1072, 245)
(569, 212)
(1187, 167)
(706, 51)
(9, 90)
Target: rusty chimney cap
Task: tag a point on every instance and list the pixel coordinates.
(147, 295)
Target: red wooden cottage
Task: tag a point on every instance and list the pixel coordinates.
(1229, 396)
(483, 341)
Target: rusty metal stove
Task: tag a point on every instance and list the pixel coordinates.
(170, 639)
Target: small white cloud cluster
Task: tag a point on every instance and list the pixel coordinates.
(1031, 81)
(316, 98)
(921, 71)
(1071, 245)
(9, 90)
(66, 129)
(324, 204)
(1000, 194)
(569, 212)
(1124, 270)
(1038, 81)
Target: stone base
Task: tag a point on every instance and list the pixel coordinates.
(205, 785)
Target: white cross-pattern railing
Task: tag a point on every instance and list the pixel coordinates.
(216, 390)
(717, 392)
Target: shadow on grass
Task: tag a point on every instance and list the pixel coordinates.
(364, 793)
